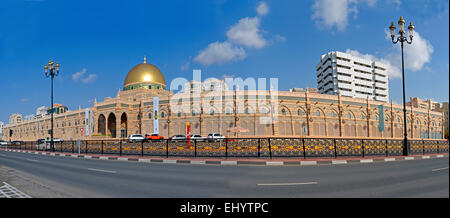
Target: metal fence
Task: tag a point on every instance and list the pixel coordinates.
(249, 147)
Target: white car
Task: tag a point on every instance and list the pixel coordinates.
(197, 138)
(42, 144)
(3, 143)
(136, 138)
(215, 137)
(178, 138)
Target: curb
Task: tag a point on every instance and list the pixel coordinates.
(241, 162)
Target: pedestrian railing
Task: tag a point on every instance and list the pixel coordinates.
(248, 147)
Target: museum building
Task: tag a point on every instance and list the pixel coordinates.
(213, 107)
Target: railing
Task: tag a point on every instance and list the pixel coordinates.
(248, 147)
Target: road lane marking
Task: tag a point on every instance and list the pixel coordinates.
(99, 170)
(288, 184)
(445, 168)
(32, 160)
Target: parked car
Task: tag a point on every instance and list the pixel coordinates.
(178, 138)
(3, 142)
(197, 138)
(42, 144)
(16, 142)
(215, 137)
(57, 140)
(154, 137)
(136, 138)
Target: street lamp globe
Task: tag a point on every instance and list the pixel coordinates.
(411, 30)
(401, 26)
(392, 28)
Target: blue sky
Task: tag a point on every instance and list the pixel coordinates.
(98, 42)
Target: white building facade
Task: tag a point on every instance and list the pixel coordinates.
(348, 75)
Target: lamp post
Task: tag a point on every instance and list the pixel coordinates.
(51, 71)
(402, 39)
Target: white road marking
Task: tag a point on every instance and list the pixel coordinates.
(366, 161)
(445, 168)
(287, 184)
(308, 163)
(338, 162)
(32, 160)
(99, 170)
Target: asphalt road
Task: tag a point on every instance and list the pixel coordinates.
(101, 178)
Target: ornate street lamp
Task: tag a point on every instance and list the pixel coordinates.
(402, 38)
(51, 71)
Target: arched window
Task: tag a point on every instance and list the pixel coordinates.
(211, 112)
(361, 116)
(318, 113)
(228, 111)
(332, 114)
(375, 117)
(163, 114)
(299, 112)
(263, 111)
(283, 111)
(150, 115)
(247, 111)
(138, 117)
(179, 114)
(193, 113)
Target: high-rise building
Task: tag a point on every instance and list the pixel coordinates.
(348, 75)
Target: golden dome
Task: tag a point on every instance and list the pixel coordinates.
(144, 73)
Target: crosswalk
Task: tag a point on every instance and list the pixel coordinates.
(8, 191)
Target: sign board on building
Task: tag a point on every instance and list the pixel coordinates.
(155, 115)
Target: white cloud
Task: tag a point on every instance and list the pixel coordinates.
(262, 9)
(417, 55)
(90, 78)
(185, 66)
(392, 70)
(330, 13)
(246, 32)
(77, 75)
(220, 52)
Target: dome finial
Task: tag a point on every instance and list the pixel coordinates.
(145, 59)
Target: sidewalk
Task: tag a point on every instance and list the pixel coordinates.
(276, 161)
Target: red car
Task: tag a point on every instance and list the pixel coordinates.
(153, 137)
